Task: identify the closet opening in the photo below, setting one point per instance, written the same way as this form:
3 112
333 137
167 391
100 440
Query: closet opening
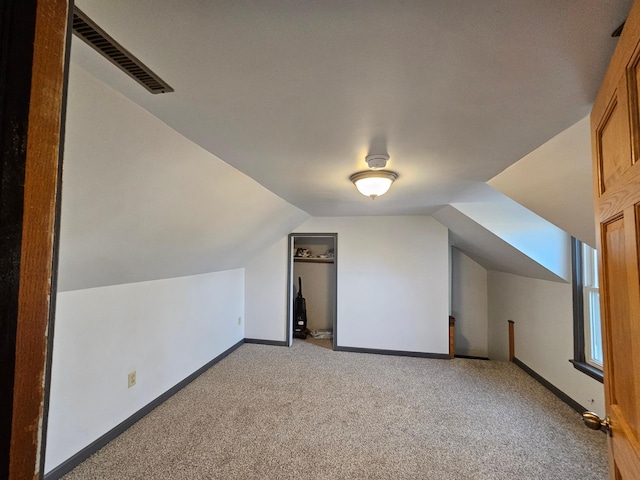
313 265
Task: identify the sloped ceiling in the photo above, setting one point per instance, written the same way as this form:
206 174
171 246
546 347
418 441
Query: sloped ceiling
488 249
277 103
529 233
295 94
502 235
141 202
555 181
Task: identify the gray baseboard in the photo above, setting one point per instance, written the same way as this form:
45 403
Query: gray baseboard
552 388
96 445
471 357
276 343
401 353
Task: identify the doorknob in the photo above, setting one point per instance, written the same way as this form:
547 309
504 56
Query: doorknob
594 422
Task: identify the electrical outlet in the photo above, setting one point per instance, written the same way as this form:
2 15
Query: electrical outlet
132 379
239 320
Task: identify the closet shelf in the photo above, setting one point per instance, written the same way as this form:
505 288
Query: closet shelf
313 260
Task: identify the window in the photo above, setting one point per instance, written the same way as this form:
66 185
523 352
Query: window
586 311
591 307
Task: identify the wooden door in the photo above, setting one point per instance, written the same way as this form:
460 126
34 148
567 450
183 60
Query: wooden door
615 129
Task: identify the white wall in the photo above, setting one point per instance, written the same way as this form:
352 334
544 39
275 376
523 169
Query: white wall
469 297
543 316
266 293
163 329
392 283
556 181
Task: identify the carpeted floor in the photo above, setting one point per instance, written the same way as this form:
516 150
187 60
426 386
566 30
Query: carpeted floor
307 412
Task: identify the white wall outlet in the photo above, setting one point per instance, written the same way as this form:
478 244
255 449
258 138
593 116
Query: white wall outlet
132 379
239 320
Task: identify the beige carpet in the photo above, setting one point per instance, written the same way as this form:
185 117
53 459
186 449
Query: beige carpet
320 342
308 412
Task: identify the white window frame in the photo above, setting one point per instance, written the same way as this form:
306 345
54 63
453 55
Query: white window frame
591 308
586 326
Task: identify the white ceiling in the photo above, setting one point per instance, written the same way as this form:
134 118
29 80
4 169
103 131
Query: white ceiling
295 94
141 202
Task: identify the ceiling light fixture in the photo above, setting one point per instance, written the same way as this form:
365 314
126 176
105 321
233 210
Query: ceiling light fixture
375 182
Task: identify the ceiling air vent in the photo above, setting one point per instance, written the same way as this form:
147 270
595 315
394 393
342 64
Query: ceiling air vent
87 30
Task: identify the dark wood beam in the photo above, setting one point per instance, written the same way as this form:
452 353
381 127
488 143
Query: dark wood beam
16 52
33 71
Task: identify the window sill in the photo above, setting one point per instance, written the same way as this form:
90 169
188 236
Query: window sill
593 372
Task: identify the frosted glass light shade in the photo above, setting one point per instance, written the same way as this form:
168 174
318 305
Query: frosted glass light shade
373 183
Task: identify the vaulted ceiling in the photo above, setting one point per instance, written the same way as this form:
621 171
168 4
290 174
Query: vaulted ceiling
278 102
295 94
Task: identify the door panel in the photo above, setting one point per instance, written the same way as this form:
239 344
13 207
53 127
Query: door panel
615 288
613 141
633 89
615 127
624 447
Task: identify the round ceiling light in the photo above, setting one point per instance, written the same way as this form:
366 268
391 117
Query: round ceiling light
373 183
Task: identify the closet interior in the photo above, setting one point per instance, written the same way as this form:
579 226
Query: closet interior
314 266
